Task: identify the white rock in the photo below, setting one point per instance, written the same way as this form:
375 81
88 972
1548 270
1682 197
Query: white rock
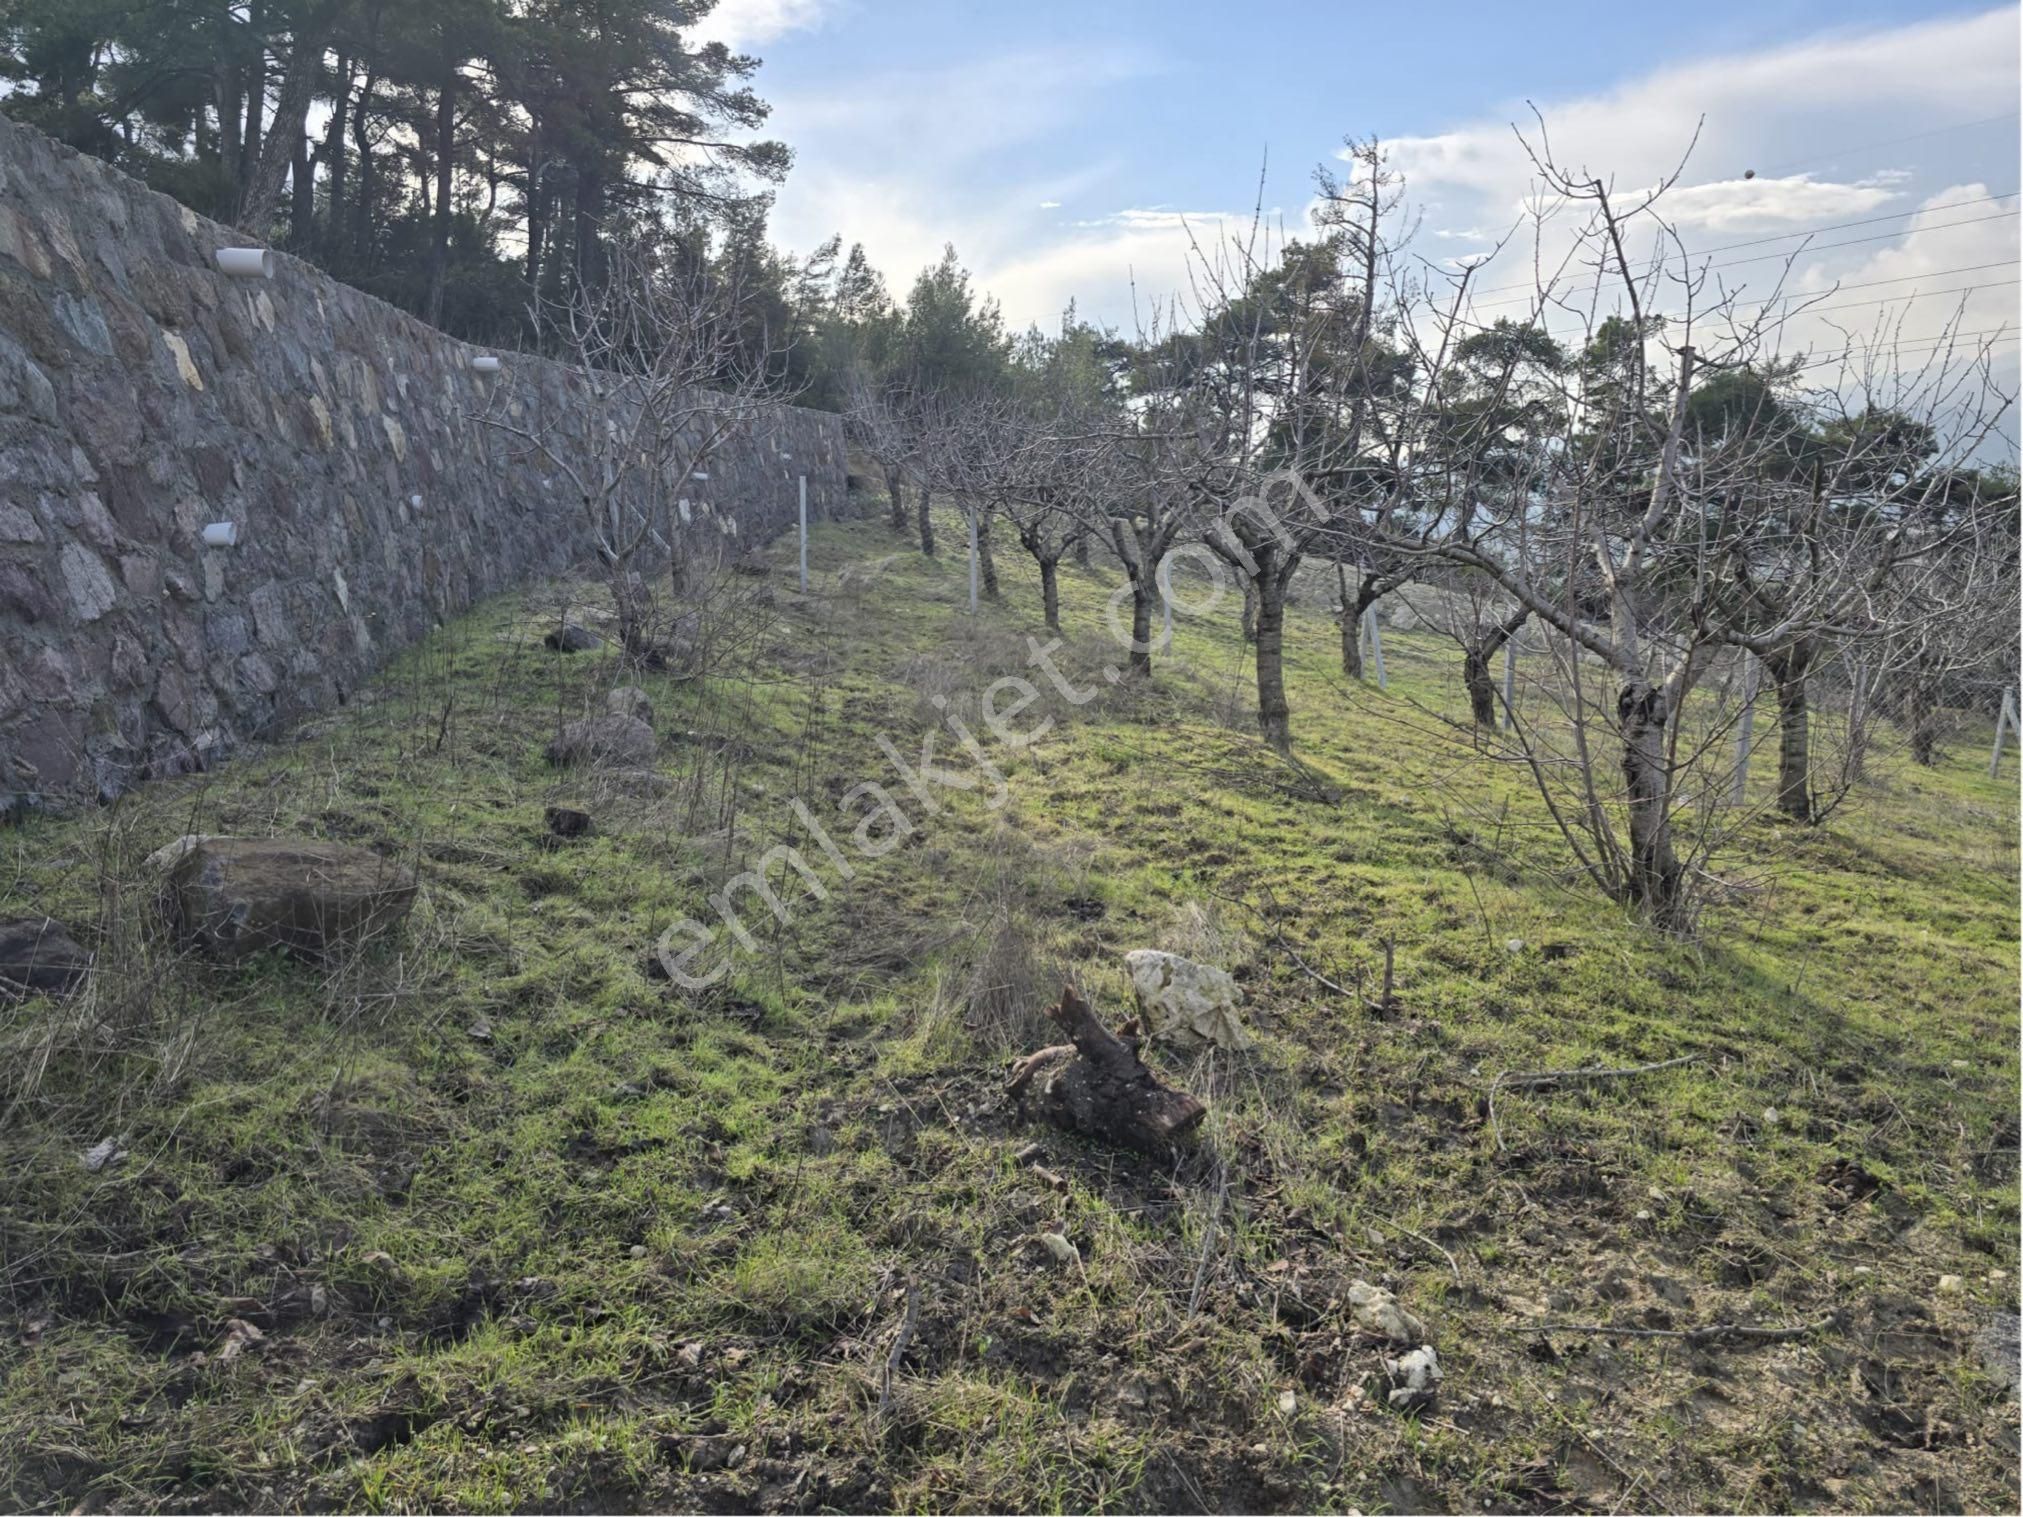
1951 1284
1185 1004
1415 1378
99 1155
1378 1310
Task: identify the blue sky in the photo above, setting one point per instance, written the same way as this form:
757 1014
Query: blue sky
1060 147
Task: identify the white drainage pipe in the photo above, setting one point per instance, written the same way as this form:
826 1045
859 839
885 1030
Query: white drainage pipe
221 534
246 263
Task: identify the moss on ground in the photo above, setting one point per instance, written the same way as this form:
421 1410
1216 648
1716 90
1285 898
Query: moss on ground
492 1217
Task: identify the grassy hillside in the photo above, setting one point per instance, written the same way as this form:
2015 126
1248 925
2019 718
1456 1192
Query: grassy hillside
493 1216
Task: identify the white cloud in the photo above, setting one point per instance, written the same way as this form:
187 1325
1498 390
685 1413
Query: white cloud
1767 205
1845 127
741 24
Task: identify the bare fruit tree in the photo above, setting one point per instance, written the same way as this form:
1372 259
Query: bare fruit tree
662 351
1701 494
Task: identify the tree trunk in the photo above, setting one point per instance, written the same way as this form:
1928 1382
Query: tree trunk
895 499
256 95
1924 720
1096 1085
1082 551
301 194
332 154
1352 627
439 243
1274 714
1144 597
361 218
1794 758
986 563
1249 620
926 521
1050 591
1481 685
225 99
1475 667
1656 882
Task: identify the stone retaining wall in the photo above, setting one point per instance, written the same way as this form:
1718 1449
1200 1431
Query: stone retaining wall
144 395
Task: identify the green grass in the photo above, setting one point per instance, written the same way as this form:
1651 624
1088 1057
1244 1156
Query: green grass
577 1262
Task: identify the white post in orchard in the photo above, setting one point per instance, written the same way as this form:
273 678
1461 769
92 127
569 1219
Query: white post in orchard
2004 722
1164 578
970 515
1510 682
804 534
1376 645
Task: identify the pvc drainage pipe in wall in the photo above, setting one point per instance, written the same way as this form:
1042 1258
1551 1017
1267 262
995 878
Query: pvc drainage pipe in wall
246 263
221 534
486 363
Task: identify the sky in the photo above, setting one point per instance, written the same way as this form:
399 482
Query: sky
1073 151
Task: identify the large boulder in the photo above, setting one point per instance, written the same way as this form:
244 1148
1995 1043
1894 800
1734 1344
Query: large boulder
1184 1004
624 741
36 954
231 895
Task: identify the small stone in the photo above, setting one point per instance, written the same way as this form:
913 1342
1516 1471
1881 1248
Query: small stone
1513 945
1770 1116
1997 1276
1951 1284
480 1031
569 822
1288 1403
570 638
1415 1378
1377 1310
1643 1214
638 1250
101 1155
1062 1251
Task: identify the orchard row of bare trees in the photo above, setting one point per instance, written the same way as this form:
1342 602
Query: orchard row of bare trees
1648 477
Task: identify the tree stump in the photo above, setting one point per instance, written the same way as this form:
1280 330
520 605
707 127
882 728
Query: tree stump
1096 1085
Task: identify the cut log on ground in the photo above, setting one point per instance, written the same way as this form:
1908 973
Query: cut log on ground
1096 1085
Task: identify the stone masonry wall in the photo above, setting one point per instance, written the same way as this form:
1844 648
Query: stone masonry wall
144 395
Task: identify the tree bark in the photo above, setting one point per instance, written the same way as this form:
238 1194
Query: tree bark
985 562
439 242
1475 667
1924 720
361 218
1249 621
1144 597
1794 758
1097 1086
926 522
1050 591
332 155
1274 713
301 194
1656 881
895 497
1481 684
1082 551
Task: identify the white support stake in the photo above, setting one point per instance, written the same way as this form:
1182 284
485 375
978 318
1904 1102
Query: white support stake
2003 723
1744 728
1510 682
1376 645
804 534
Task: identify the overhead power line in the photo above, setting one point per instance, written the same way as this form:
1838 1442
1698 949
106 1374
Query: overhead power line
1837 226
